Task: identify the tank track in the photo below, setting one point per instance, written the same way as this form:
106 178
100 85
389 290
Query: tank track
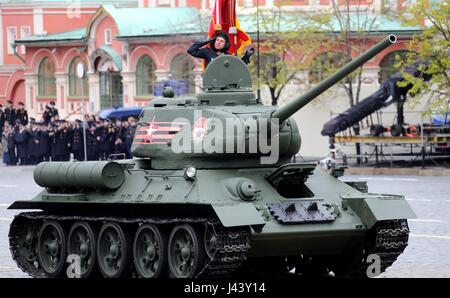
388 240
231 248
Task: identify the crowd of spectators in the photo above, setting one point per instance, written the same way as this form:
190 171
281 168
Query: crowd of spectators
28 141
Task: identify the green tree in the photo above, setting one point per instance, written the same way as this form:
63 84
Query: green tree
433 46
286 40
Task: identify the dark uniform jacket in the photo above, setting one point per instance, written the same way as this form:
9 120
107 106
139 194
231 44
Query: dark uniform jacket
53 143
44 144
76 139
11 142
22 115
106 139
34 143
62 144
92 145
47 116
21 139
10 115
2 120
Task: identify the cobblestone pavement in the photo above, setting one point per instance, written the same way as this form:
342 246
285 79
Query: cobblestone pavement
426 256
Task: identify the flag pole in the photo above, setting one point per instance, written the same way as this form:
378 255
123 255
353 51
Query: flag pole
258 69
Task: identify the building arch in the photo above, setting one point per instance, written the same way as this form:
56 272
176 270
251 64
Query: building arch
39 56
140 51
11 85
174 51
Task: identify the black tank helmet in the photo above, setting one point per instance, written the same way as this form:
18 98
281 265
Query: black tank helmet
224 35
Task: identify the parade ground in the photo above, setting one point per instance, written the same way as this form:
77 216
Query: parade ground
426 255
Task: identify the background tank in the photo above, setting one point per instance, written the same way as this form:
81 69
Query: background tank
204 210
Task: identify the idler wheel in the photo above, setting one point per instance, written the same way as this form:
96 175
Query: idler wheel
81 242
211 241
150 251
113 251
186 251
52 249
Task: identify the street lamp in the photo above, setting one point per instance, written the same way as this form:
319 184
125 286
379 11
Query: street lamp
81 73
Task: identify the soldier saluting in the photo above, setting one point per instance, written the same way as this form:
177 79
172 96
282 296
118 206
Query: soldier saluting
212 48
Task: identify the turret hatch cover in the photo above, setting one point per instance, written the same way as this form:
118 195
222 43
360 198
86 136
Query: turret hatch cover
227 72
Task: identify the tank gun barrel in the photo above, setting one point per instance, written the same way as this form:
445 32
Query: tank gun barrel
293 106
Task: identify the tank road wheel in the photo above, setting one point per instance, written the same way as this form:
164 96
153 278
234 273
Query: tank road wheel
186 251
113 251
24 235
52 248
150 251
81 242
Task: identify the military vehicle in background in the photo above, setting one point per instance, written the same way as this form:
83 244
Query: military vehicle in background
205 213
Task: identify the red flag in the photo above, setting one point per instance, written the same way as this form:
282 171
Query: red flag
223 18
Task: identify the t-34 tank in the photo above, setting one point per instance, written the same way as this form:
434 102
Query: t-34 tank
211 191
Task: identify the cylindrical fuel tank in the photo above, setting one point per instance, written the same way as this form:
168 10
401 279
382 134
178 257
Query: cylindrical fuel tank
85 174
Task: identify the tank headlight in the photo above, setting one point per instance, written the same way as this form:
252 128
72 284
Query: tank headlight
190 173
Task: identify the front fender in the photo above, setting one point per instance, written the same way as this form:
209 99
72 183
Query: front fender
238 214
373 208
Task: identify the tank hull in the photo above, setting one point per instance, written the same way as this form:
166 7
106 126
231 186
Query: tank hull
336 217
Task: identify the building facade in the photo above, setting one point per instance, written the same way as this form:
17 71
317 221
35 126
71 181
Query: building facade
129 48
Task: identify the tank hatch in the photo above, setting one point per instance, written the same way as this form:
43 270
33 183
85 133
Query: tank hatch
227 82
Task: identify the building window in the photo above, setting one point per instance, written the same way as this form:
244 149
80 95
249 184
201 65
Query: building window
182 69
47 79
74 81
145 76
108 36
11 38
25 32
389 63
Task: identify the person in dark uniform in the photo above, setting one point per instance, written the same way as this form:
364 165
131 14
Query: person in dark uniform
44 143
131 130
22 114
53 141
21 140
33 143
76 140
54 111
63 142
11 145
106 134
10 113
92 140
212 48
47 116
2 121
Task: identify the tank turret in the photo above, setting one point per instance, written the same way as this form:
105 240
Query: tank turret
226 120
